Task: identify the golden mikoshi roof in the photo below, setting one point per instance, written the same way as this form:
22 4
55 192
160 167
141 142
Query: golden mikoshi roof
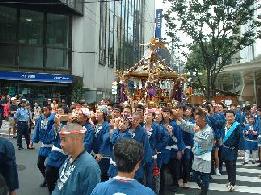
153 66
159 69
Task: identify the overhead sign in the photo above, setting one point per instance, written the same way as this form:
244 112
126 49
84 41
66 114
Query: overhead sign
37 77
158 23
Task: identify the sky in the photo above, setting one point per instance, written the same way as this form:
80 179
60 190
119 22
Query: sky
159 5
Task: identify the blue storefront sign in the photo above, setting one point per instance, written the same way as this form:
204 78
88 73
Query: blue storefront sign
35 77
158 23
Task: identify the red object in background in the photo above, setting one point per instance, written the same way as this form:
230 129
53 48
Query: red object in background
156 170
6 108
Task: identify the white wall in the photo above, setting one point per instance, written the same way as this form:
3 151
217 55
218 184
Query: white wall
85 38
149 20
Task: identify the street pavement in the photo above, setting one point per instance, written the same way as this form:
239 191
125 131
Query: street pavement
248 182
248 176
28 173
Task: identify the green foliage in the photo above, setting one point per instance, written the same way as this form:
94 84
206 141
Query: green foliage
214 28
77 90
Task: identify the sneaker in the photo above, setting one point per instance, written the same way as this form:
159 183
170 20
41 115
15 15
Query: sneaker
231 188
228 184
244 163
20 148
253 162
217 172
30 148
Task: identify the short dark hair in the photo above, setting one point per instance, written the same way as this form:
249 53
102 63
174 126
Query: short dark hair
207 107
166 109
200 113
230 111
117 107
140 106
127 153
128 107
48 107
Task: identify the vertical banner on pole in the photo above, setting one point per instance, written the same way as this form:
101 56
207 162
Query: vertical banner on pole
158 23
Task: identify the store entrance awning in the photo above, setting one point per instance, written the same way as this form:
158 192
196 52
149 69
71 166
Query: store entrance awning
35 77
55 6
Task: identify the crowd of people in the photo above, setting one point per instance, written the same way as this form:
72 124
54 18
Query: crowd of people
124 148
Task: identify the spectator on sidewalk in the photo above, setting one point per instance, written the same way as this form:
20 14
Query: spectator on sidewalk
13 109
22 118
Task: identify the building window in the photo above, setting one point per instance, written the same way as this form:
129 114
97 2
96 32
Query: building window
8 24
31 38
34 39
102 34
57 41
111 35
129 33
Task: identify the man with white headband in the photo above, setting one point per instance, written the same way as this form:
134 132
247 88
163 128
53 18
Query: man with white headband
80 173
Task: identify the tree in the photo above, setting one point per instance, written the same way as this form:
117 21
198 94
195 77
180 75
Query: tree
77 90
216 30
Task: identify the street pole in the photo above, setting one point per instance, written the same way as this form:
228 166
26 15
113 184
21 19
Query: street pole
254 83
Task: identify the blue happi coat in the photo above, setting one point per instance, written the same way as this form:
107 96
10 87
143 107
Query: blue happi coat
102 145
8 167
78 177
175 143
217 122
229 149
56 157
115 137
258 125
188 139
141 136
240 117
43 132
251 139
158 138
121 187
89 136
100 141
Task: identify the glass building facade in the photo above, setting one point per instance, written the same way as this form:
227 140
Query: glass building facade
34 40
121 33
